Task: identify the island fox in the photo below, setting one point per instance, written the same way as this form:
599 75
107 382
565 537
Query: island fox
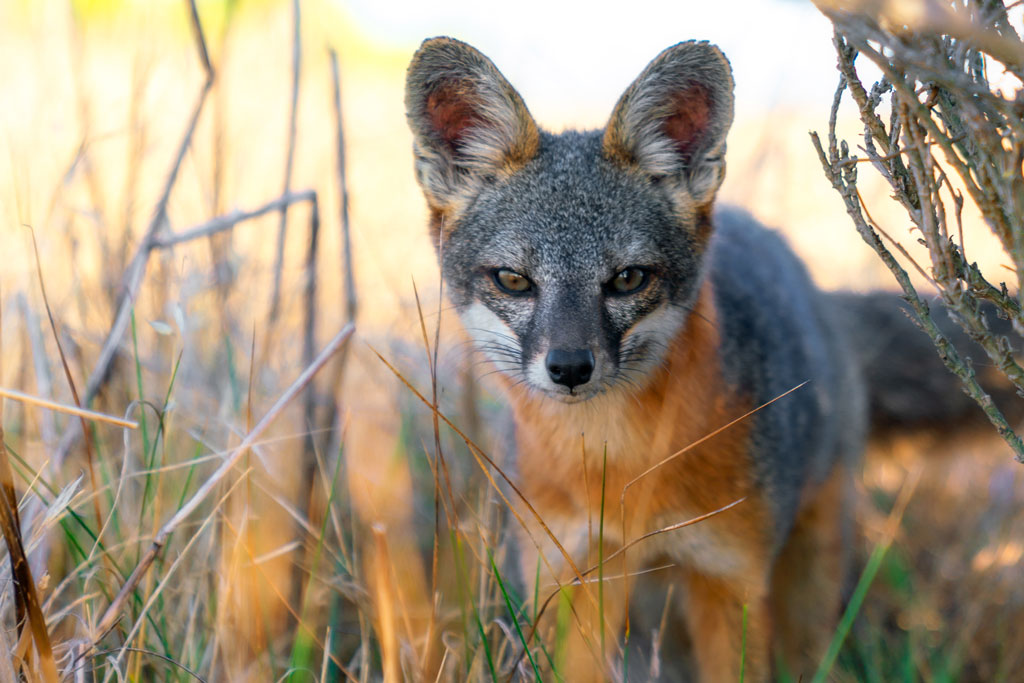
630 320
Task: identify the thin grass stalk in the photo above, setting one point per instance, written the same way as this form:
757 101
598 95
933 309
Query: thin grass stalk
743 644
336 381
463 581
314 566
90 455
440 465
351 301
387 629
332 417
307 489
655 669
275 298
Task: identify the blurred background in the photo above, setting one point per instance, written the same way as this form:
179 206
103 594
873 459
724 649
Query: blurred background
95 99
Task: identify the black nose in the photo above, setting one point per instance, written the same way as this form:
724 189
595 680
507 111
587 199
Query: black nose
570 368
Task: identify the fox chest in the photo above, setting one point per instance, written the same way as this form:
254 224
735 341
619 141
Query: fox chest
645 478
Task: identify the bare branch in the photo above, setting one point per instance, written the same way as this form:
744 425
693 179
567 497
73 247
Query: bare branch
230 220
136 270
935 77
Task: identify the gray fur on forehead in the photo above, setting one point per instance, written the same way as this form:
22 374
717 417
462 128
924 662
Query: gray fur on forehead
570 210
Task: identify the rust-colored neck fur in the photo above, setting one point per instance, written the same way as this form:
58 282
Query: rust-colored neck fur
685 400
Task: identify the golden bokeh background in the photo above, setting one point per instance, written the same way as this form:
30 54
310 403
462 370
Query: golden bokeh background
94 100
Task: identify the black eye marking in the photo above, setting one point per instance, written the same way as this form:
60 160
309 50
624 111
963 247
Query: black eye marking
511 282
629 281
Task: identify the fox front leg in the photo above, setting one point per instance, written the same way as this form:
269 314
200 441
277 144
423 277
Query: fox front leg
729 625
581 624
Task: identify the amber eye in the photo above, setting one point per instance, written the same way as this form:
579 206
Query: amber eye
512 282
629 280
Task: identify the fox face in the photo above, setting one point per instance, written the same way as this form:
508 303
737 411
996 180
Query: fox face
572 259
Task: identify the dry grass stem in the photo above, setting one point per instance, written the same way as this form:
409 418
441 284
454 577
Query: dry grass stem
25 591
111 615
486 464
351 302
275 299
47 404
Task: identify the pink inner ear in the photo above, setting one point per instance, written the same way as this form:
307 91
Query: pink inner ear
451 112
688 123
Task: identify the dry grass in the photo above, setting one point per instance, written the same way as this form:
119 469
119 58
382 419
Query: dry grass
392 567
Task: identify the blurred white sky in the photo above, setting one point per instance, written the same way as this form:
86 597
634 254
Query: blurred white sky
572 60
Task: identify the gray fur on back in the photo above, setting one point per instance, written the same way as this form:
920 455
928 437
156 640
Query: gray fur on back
777 332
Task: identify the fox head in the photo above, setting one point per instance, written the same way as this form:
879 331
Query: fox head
573 259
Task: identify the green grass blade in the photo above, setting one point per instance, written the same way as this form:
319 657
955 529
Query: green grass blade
743 645
302 648
467 596
852 609
512 611
600 551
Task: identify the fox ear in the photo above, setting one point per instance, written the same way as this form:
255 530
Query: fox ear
467 121
673 119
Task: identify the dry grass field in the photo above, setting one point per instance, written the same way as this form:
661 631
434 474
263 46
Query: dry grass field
328 551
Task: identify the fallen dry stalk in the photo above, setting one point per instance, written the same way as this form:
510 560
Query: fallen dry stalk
39 402
112 613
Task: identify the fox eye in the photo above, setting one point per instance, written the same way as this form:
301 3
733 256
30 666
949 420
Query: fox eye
629 280
512 282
